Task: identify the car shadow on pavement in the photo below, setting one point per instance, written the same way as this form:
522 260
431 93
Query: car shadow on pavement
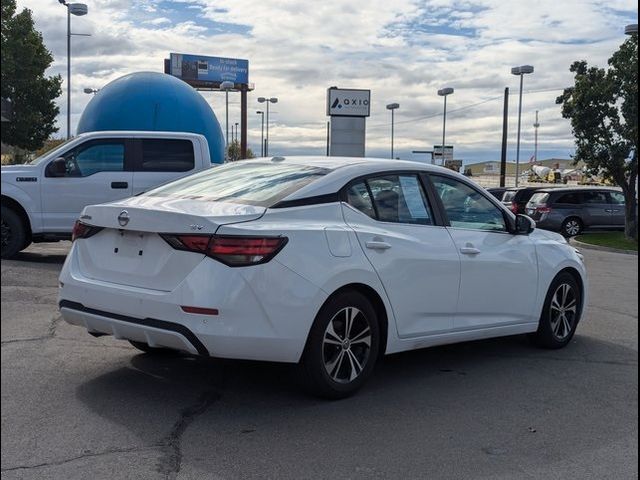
34 257
153 389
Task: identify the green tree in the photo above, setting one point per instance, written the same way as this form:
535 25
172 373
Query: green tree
23 82
603 109
233 152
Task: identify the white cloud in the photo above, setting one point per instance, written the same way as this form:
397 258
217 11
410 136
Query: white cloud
402 50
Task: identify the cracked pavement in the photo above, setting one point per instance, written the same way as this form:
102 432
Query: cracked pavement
78 407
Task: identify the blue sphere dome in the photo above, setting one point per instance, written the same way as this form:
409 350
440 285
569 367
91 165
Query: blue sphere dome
153 101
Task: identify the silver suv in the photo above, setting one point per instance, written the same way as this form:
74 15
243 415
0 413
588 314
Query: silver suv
572 210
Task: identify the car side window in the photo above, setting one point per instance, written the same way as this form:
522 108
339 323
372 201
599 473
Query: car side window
570 198
358 197
466 207
396 198
166 155
95 157
595 197
616 198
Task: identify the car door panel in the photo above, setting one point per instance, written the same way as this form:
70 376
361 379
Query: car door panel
97 173
499 272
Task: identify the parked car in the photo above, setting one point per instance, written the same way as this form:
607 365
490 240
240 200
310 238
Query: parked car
42 200
516 198
329 262
497 192
572 210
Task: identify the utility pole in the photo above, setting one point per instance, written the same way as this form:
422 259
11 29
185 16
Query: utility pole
535 147
505 123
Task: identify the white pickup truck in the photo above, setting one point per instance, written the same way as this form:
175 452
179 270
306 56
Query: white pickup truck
41 200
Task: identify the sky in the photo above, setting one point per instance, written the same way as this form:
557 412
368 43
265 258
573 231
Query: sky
402 50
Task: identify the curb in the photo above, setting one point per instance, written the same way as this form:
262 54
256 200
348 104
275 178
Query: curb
589 246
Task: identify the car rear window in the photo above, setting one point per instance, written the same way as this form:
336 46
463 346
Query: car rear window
508 195
539 198
248 183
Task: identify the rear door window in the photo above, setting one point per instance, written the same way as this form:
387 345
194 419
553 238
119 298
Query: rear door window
595 197
570 198
166 155
508 195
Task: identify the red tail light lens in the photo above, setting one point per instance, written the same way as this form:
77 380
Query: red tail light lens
230 250
82 230
514 207
543 209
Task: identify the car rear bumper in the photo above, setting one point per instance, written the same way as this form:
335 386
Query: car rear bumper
257 318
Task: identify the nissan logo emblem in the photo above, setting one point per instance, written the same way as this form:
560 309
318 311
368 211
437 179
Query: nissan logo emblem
123 218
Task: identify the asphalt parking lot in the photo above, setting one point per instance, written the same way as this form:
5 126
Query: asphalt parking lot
74 406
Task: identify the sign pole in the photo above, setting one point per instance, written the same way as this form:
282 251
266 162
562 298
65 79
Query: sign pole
243 121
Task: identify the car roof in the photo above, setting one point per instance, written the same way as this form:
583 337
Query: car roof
580 188
344 169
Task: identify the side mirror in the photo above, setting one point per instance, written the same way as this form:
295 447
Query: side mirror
524 225
57 168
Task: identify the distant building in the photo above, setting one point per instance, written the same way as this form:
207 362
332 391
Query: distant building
493 167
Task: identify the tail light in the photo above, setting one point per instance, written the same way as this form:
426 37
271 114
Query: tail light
83 230
233 251
514 207
543 209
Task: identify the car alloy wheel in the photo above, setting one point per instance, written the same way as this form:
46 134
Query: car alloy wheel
563 310
572 227
346 345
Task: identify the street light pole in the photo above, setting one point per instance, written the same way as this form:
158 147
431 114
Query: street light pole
226 86
267 101
392 107
444 92
78 9
520 71
261 113
535 144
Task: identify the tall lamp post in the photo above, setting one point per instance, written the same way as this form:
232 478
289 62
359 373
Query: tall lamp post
77 9
536 125
521 72
444 92
267 101
261 113
392 107
226 86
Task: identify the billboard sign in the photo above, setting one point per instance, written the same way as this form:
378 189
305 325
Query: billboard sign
348 102
200 70
448 152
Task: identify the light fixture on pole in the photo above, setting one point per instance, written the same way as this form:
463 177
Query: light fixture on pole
631 29
77 9
266 140
261 113
444 92
226 86
392 107
89 91
521 72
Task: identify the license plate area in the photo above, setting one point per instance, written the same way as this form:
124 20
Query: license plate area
130 244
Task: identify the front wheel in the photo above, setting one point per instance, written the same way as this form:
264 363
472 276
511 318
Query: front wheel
342 347
13 233
560 314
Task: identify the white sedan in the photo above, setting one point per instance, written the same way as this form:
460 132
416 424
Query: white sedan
327 262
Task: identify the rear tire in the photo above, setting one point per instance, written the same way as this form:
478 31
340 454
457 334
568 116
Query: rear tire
13 235
571 227
560 314
342 346
152 350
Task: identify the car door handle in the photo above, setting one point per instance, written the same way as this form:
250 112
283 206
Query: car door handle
469 250
377 245
119 184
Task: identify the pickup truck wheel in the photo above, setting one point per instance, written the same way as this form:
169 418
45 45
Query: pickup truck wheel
13 235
